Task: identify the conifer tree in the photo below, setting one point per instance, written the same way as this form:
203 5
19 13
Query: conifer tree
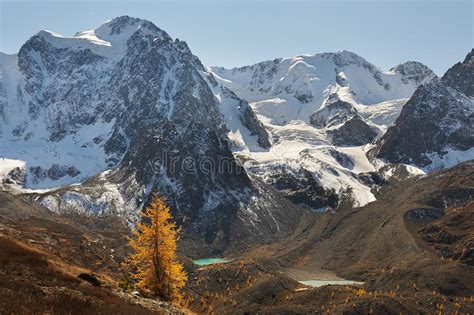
153 263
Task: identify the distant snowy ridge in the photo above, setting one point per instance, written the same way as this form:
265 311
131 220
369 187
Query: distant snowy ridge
321 110
305 81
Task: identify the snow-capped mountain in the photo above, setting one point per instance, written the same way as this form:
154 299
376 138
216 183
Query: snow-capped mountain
291 89
436 126
125 110
95 122
320 110
55 86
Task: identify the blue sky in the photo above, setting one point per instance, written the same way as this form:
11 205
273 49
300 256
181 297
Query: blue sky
237 33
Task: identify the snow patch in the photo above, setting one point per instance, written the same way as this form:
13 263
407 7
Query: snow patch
448 158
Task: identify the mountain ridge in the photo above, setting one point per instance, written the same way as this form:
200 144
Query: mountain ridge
126 127
435 126
294 99
100 119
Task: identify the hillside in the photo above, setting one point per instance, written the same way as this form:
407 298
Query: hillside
412 248
401 239
435 127
63 264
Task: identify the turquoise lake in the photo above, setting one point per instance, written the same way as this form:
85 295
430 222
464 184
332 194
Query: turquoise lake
321 283
210 261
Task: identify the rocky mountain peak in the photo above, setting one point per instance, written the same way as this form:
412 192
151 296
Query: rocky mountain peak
343 123
414 71
109 40
121 28
126 108
435 127
460 75
345 57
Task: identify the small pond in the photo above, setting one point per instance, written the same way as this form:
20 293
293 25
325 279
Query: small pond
210 261
321 283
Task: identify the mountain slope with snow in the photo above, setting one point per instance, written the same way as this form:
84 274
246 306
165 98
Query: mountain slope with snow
436 126
294 88
102 119
121 111
321 111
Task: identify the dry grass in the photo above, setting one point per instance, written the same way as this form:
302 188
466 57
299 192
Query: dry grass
41 256
29 283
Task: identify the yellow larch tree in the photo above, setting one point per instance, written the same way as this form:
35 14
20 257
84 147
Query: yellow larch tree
153 263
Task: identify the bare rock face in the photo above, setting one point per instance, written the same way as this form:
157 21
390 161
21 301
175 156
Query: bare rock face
460 75
437 119
250 120
248 117
353 132
415 72
343 123
333 113
303 189
55 172
15 177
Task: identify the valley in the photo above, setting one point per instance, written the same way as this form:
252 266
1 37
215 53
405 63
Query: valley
393 268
